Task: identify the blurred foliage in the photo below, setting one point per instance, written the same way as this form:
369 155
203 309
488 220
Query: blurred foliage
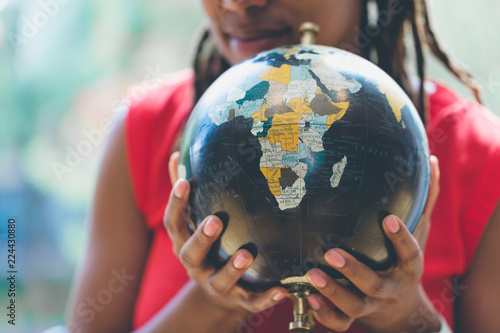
64 66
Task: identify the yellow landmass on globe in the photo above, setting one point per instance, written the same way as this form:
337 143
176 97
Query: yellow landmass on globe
272 175
299 105
288 135
285 129
288 56
260 114
334 117
280 74
394 101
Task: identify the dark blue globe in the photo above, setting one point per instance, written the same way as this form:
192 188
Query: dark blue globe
301 149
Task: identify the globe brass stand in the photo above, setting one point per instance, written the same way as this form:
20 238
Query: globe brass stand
303 321
302 317
309 31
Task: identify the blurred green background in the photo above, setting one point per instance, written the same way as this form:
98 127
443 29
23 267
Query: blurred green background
64 66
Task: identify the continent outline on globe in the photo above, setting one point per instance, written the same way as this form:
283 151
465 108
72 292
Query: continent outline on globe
296 121
287 148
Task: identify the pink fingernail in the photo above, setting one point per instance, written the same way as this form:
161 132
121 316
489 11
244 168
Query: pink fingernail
317 279
211 227
278 296
392 224
314 302
335 258
240 261
180 188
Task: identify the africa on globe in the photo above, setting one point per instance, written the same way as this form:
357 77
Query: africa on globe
300 149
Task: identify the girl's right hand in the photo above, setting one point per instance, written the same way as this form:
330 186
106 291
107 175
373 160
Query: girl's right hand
192 249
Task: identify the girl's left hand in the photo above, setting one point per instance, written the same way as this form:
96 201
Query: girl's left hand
393 300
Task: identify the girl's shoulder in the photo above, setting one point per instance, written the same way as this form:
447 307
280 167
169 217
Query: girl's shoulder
465 136
156 112
155 95
448 111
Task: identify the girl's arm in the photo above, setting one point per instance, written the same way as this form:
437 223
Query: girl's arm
478 305
107 285
108 281
192 311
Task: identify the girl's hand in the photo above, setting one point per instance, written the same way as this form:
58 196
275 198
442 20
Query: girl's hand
393 299
192 249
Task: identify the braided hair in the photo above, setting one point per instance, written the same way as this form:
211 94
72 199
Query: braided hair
387 48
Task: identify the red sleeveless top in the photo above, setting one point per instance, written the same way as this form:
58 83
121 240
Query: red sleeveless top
462 134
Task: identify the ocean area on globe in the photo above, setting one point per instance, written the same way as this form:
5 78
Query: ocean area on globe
301 149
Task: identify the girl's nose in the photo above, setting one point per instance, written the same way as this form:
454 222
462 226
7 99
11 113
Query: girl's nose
241 6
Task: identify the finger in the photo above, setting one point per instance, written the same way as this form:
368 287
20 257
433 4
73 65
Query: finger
194 251
261 301
329 318
173 163
410 258
362 276
345 300
422 230
434 186
225 279
175 218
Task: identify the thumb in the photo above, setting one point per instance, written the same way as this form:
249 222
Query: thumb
423 228
173 163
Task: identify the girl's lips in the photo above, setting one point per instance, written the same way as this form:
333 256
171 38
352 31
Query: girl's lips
252 46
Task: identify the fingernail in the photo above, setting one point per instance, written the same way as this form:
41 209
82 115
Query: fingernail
317 279
278 296
392 224
240 261
211 227
335 258
180 188
314 302
174 156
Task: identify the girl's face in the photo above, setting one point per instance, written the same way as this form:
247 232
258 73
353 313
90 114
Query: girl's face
242 28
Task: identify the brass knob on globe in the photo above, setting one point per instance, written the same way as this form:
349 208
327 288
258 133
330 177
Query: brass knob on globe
302 318
309 31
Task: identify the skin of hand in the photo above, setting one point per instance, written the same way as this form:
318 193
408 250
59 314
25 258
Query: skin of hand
390 298
192 249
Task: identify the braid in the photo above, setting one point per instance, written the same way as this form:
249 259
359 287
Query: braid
389 44
365 52
418 38
390 47
208 64
391 51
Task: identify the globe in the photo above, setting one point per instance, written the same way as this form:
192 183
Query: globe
301 149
